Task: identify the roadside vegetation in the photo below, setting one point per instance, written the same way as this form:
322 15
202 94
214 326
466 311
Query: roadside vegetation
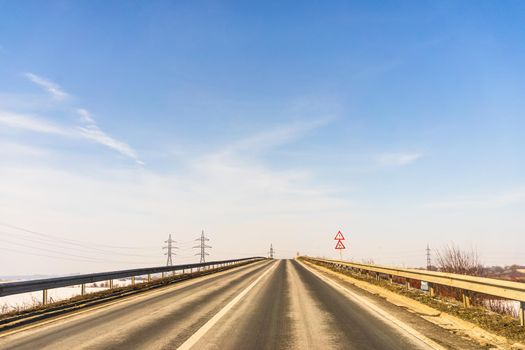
11 317
493 314
453 259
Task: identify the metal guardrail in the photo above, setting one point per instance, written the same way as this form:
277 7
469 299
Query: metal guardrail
11 288
490 286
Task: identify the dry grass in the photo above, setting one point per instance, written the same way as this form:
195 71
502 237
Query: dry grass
503 324
500 306
453 259
36 304
5 309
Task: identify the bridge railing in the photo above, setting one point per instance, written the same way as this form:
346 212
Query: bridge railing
44 285
467 284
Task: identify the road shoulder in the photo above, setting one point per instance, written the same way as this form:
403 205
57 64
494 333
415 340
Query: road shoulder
438 326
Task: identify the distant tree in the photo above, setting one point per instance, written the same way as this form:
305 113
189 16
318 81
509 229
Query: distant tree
497 269
452 258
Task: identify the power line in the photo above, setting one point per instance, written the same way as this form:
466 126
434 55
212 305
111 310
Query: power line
169 253
25 252
69 241
359 256
48 242
51 250
202 246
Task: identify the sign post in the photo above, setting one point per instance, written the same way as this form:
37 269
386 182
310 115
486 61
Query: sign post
340 245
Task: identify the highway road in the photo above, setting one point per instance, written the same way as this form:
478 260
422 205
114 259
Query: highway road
279 304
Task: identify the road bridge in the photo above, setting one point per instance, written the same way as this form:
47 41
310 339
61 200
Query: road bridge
268 304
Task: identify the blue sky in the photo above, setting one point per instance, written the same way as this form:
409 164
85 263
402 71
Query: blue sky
399 122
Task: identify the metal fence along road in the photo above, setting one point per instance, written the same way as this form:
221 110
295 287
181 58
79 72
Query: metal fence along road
11 288
490 286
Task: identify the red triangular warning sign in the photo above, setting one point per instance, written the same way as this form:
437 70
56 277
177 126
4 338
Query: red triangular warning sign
339 236
340 245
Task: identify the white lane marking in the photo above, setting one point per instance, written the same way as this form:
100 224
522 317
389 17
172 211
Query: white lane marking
378 311
191 341
122 301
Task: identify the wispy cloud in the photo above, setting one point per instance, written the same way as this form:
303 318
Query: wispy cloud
21 121
15 150
52 88
482 201
93 133
89 131
277 136
398 159
85 116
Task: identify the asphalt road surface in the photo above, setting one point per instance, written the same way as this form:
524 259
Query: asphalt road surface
278 304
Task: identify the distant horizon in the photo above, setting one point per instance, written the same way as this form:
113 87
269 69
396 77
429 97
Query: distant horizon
4 278
400 124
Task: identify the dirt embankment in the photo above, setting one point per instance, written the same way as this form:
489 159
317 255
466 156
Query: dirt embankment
502 325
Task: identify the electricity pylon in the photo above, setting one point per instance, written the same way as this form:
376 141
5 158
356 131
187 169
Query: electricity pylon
429 261
271 252
202 246
169 253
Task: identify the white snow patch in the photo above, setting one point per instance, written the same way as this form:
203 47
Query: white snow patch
26 300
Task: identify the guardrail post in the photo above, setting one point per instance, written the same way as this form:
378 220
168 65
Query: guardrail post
108 278
431 290
522 313
407 283
466 298
390 279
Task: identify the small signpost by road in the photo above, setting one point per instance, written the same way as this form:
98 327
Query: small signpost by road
340 245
